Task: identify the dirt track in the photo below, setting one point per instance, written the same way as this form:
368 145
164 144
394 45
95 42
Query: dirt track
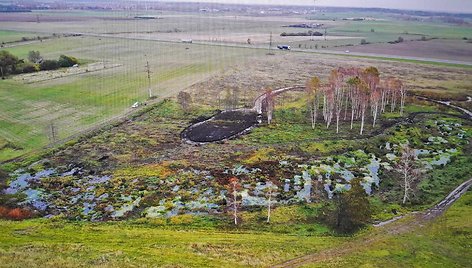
420 218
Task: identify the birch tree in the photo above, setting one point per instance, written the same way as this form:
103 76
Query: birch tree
407 167
312 90
363 102
271 192
402 90
269 105
354 84
337 91
233 188
371 77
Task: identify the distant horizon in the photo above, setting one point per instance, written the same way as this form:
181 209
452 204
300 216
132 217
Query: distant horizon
452 6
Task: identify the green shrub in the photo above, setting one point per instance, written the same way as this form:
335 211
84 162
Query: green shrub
47 65
349 212
67 61
27 68
181 219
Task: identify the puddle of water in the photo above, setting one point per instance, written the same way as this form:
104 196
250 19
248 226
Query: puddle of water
126 207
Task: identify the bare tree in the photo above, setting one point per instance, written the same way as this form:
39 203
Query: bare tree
338 94
402 96
269 104
375 98
271 192
391 84
363 101
357 89
185 100
312 90
353 83
234 187
407 166
328 104
371 77
34 56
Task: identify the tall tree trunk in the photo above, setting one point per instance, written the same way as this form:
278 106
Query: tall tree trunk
352 117
337 123
394 103
402 101
345 107
314 112
362 121
405 193
376 108
235 208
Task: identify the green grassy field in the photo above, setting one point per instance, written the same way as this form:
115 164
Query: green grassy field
126 244
442 243
12 36
76 102
44 242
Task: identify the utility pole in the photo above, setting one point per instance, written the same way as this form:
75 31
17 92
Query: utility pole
52 133
314 6
270 41
148 70
37 18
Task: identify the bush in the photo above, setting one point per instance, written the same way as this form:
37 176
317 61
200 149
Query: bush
181 219
34 56
47 65
27 68
364 42
67 61
350 211
8 62
15 214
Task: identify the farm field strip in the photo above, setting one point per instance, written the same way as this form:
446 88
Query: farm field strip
88 98
77 102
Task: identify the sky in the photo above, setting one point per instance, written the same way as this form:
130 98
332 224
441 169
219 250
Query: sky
463 6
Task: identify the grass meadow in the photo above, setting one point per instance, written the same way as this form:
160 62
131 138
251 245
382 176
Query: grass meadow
176 243
74 103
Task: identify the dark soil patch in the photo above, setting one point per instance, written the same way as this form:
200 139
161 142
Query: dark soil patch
222 126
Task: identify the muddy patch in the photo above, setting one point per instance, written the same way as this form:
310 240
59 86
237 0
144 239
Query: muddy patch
222 126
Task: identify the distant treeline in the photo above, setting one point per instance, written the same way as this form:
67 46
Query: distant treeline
11 64
39 38
13 9
309 33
